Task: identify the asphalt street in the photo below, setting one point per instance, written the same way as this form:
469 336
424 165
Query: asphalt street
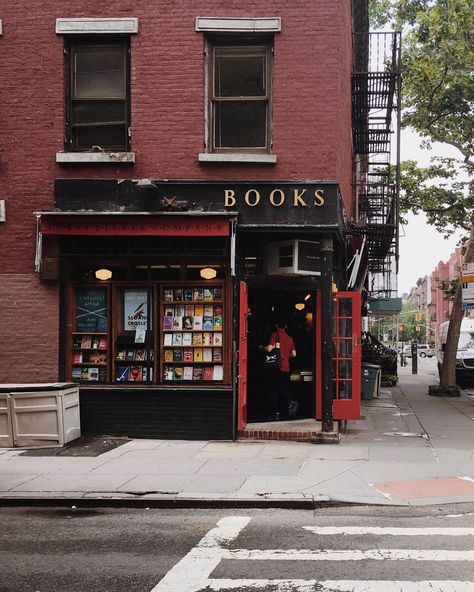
351 548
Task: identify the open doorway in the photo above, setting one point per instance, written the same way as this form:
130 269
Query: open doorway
299 310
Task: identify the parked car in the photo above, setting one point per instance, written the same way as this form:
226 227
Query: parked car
424 351
465 352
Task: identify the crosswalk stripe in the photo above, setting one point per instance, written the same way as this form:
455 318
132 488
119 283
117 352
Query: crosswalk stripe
347 555
341 585
382 530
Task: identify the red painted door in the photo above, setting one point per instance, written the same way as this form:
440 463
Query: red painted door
346 355
242 359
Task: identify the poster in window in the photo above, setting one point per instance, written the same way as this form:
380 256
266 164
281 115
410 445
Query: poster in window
135 305
91 310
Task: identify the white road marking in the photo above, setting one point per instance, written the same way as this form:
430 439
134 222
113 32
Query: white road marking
341 585
347 555
191 574
380 530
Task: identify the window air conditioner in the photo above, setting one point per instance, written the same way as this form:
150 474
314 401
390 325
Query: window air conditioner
294 257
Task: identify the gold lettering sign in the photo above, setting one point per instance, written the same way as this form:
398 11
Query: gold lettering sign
281 198
276 197
256 197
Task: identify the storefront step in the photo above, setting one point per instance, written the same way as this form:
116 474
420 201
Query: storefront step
301 430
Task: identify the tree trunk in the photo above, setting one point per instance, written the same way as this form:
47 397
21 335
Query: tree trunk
448 370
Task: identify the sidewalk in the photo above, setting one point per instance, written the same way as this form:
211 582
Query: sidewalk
411 449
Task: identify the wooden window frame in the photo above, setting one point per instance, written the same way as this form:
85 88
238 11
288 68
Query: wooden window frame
239 43
70 137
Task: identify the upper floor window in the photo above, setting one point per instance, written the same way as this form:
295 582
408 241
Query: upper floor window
240 77
98 95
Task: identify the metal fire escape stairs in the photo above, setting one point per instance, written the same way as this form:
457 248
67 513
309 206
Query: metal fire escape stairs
376 83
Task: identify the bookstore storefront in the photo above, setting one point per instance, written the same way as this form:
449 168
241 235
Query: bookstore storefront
154 296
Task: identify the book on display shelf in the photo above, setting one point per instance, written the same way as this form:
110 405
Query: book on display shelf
217 354
187 323
135 374
188 294
168 295
189 310
187 338
167 323
208 373
95 343
198 294
178 373
207 323
207 354
197 373
168 355
168 373
218 373
140 355
217 293
198 310
188 355
188 373
207 338
217 339
177 355
77 358
177 339
86 342
177 294
103 343
197 323
208 295
168 339
177 323
198 354
217 323
77 341
197 339
121 373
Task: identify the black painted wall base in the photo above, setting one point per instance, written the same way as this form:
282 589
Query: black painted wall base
156 413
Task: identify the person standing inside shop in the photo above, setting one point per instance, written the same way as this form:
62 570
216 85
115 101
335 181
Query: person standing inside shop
280 379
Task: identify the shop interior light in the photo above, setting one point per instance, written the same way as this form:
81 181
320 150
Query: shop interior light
208 273
103 274
300 305
307 297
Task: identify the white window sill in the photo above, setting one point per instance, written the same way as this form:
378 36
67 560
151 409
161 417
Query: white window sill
244 158
99 157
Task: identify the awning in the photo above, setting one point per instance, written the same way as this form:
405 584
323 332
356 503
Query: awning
134 224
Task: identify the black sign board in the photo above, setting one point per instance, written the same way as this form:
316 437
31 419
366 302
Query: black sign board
91 310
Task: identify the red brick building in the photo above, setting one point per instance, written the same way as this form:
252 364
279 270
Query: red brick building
154 141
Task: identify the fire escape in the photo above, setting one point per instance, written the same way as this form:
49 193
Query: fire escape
376 85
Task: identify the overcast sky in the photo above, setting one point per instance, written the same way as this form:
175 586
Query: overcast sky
421 246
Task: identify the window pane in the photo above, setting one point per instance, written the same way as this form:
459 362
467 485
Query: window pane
98 112
345 327
240 75
240 124
99 71
107 137
345 369
344 348
344 390
345 307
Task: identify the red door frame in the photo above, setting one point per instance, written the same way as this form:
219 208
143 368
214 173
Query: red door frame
346 357
242 358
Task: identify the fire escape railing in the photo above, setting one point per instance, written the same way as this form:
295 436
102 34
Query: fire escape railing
376 83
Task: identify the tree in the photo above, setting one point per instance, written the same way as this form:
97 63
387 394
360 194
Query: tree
438 102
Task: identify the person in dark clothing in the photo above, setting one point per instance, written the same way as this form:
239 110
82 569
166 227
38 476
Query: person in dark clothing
279 379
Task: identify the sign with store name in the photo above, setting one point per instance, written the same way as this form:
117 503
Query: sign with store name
91 310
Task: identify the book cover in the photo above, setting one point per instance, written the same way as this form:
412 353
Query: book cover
217 310
140 355
97 358
152 355
102 374
95 343
217 324
177 355
130 355
145 373
188 373
207 338
197 323
197 338
177 323
169 311
207 354
197 294
168 355
218 373
217 339
207 323
187 323
179 310
168 295
121 373
121 354
189 310
177 294
178 373
77 341
76 373
187 338
86 342
77 358
167 323
86 357
168 373
208 373
198 354
198 310
177 339
135 374
217 293
84 373
217 354
197 373
208 310
188 355
140 335
93 374
168 339
103 343
207 295
188 294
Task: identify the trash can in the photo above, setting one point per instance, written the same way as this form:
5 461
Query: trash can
370 380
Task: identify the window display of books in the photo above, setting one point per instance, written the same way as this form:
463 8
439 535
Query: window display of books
191 336
89 357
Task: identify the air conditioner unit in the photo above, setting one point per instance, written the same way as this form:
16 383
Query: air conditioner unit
294 257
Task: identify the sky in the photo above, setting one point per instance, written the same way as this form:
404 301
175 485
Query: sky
421 246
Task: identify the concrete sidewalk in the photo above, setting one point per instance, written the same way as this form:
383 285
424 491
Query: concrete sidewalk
411 449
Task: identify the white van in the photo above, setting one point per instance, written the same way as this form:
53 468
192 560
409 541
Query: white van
465 355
